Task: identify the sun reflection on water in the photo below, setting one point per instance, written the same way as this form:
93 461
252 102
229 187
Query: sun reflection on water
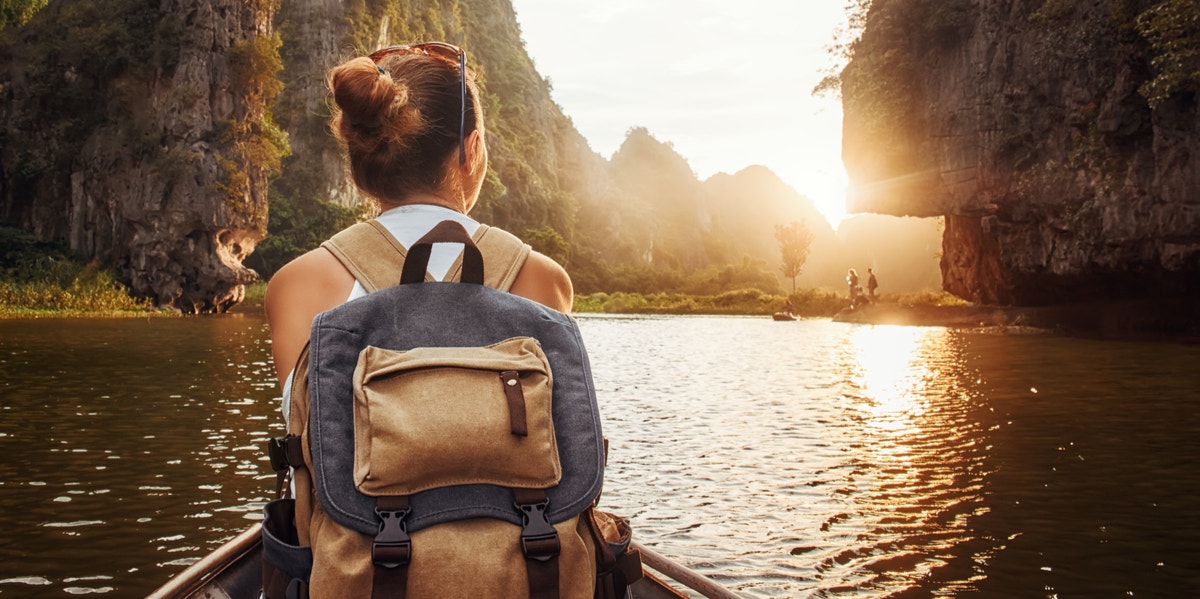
891 373
907 459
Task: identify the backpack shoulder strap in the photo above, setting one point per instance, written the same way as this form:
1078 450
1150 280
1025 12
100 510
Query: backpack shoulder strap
376 258
503 256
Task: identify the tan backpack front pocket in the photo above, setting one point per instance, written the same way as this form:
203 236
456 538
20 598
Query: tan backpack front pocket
439 416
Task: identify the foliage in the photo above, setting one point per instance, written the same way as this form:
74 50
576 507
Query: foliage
812 303
905 22
645 278
815 302
745 301
794 240
1172 27
298 224
38 277
92 291
18 12
549 242
71 55
257 146
256 292
925 298
741 301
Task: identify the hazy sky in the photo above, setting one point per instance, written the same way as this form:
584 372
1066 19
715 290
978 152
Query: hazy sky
727 82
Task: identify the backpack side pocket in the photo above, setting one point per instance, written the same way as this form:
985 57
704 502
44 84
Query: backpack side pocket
286 564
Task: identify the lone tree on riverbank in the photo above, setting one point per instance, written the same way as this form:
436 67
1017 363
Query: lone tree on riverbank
794 239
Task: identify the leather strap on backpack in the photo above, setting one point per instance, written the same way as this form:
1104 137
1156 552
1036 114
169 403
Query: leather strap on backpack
376 258
416 264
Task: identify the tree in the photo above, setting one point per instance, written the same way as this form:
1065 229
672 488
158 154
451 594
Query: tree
794 239
18 12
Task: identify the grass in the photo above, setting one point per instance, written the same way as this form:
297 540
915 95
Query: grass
812 303
741 301
47 279
91 293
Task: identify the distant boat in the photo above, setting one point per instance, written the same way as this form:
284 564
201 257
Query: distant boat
783 316
234 571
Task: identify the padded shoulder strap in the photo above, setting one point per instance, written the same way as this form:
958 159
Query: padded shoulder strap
376 258
503 256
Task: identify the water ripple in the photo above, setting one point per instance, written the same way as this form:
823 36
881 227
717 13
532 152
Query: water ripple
804 459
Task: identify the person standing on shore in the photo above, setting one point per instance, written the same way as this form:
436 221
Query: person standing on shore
872 284
852 281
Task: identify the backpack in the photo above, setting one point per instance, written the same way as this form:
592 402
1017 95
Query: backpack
445 439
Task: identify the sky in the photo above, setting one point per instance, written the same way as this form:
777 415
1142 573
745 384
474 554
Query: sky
727 83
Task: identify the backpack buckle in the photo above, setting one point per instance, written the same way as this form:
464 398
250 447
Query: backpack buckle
539 540
392 546
285 451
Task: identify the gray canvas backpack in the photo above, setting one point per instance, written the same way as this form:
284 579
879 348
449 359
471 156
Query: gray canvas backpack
444 437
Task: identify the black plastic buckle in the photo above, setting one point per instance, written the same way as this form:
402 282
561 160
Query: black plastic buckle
277 450
392 547
539 540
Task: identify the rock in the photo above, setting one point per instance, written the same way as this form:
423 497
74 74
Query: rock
155 178
1023 125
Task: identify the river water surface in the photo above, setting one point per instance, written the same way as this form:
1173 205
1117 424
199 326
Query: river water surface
785 459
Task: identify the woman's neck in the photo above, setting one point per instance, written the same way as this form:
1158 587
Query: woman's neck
425 198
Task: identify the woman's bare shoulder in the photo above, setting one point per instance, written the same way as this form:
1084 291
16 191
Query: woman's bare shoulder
303 288
545 281
315 278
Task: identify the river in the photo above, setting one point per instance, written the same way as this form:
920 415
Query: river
785 459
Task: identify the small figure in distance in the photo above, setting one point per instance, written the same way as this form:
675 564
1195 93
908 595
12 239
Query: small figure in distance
872 285
852 281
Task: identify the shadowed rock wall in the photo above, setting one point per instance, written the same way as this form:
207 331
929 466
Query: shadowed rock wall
145 166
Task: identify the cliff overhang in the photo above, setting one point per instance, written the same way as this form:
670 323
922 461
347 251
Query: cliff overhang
1066 169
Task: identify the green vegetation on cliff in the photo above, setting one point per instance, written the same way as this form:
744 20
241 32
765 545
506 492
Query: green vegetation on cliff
18 12
1172 28
71 54
255 143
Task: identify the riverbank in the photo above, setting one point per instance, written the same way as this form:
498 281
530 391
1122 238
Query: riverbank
740 302
1175 320
87 295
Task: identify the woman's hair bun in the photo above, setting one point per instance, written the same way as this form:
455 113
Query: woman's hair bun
368 98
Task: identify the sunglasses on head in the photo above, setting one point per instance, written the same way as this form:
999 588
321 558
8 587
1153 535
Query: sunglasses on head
453 54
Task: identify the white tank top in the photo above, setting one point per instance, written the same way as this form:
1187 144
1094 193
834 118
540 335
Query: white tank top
408 224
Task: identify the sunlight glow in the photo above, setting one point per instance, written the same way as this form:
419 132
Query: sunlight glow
891 374
731 90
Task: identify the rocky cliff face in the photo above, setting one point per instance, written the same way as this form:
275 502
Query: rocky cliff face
1026 123
316 36
146 160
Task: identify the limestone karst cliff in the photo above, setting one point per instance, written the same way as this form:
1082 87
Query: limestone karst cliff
137 131
144 134
1053 135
